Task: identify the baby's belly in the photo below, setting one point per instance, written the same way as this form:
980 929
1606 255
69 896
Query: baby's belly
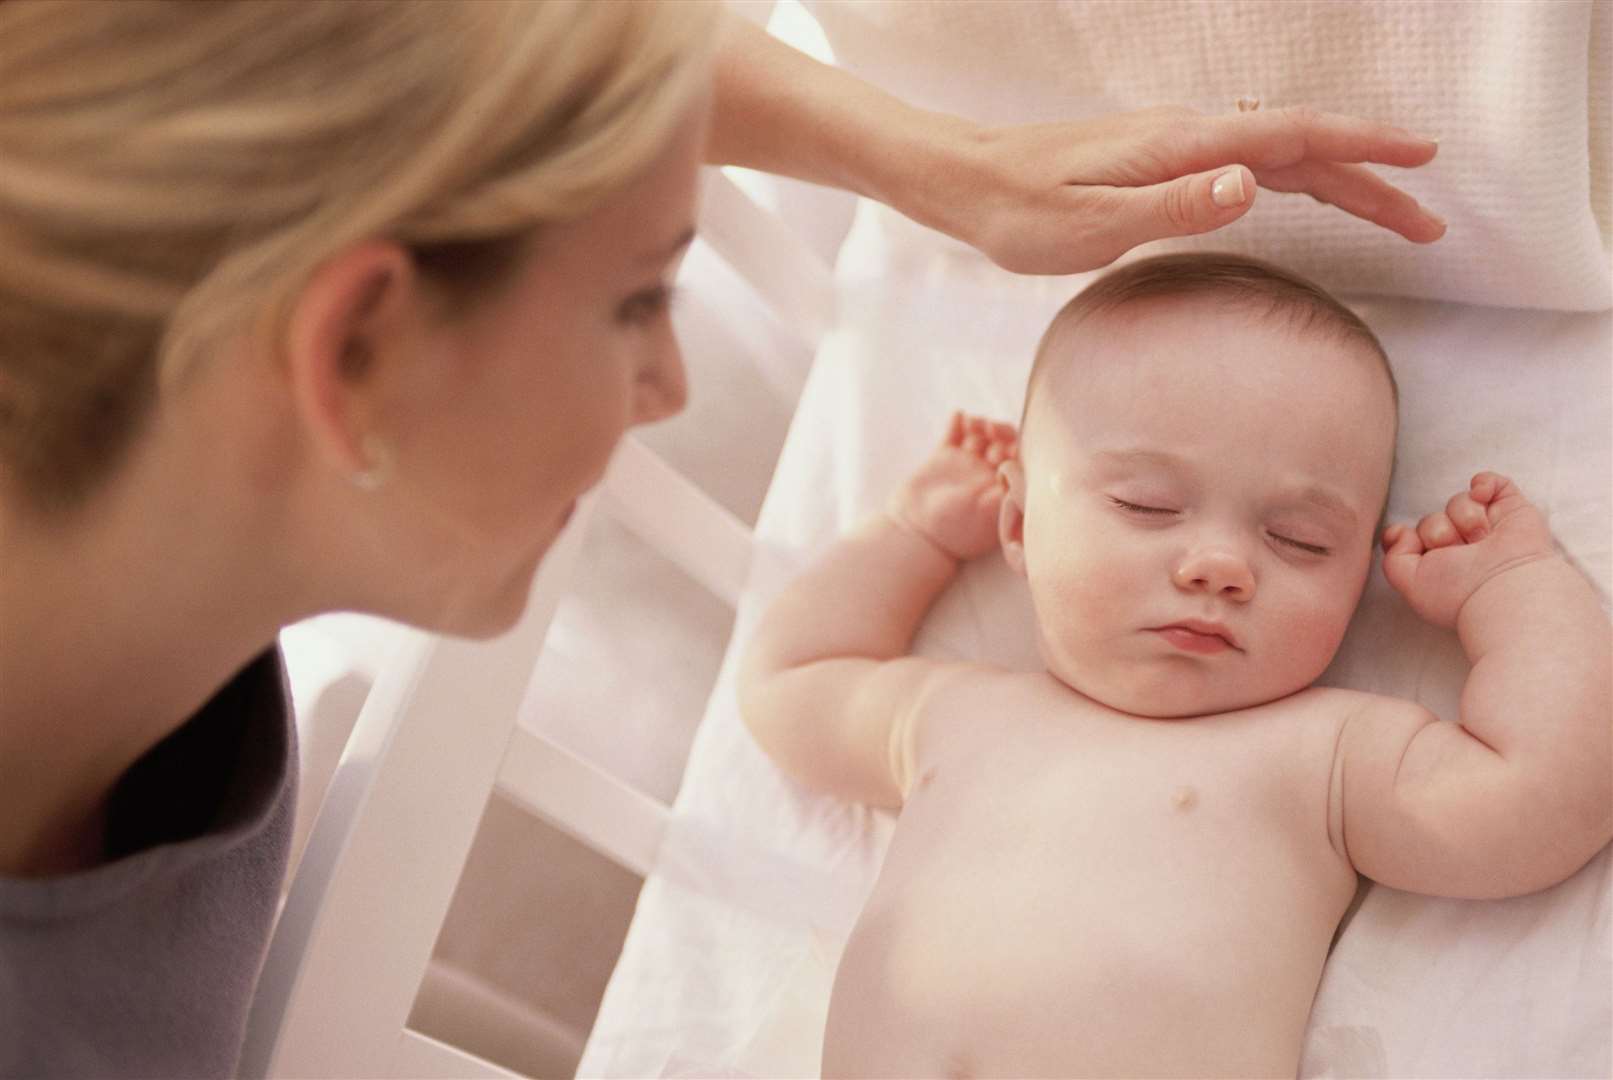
1057 957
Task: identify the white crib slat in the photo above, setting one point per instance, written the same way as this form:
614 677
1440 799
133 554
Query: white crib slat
673 515
582 799
385 854
420 1057
784 271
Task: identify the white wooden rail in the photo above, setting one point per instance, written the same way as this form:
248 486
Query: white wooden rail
381 864
786 273
438 732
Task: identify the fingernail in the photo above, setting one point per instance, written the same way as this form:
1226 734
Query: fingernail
1435 218
1228 188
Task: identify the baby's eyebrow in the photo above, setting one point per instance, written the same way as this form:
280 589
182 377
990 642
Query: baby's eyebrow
1156 458
1319 496
1326 500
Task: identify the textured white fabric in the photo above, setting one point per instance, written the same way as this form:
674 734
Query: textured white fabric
1515 90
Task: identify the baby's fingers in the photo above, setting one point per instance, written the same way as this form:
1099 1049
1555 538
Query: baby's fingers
1437 531
1402 548
992 441
1493 489
1468 517
1004 443
1399 539
965 432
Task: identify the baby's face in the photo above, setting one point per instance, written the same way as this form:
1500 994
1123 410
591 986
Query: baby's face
1201 488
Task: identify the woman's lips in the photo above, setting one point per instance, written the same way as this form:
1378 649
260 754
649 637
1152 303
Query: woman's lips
1194 641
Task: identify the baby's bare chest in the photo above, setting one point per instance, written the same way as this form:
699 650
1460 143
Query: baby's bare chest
1197 832
1122 882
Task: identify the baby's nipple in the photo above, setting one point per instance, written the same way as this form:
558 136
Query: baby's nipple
1184 799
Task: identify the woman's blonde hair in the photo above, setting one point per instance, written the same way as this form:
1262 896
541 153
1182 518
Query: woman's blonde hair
173 172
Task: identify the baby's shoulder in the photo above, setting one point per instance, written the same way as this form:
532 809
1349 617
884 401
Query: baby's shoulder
961 698
1306 726
1330 706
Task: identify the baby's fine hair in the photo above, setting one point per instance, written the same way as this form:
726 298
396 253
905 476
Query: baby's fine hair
173 173
1264 289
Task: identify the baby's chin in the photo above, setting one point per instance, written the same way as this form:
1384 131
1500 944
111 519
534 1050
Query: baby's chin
1151 702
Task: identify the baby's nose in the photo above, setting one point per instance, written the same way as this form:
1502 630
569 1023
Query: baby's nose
1218 571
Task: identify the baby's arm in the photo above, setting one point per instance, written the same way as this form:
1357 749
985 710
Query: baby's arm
826 687
1519 794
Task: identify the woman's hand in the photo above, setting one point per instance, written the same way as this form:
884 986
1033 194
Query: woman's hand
952 500
1066 197
1048 198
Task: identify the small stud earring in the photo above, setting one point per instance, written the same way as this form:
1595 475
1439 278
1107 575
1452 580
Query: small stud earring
378 461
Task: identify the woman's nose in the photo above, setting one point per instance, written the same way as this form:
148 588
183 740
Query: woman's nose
1217 571
662 389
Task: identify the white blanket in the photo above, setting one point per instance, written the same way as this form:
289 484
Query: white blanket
728 963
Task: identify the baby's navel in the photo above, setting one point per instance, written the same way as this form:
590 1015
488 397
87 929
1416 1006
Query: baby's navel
1184 799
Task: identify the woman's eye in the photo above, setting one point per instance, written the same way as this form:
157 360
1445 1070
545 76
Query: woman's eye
644 307
1300 545
1137 508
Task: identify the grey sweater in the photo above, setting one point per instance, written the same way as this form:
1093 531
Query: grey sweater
145 964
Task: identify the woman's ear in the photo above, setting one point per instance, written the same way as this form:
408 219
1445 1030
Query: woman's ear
349 320
1011 514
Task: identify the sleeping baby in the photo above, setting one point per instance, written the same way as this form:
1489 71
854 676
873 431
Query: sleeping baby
1133 862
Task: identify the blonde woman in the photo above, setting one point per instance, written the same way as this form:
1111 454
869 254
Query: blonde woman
320 306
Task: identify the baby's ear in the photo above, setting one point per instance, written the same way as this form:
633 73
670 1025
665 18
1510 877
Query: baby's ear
1011 515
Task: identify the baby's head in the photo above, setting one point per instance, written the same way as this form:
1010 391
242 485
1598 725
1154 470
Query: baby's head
1204 460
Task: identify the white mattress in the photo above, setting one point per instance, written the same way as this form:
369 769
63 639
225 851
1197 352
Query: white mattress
728 962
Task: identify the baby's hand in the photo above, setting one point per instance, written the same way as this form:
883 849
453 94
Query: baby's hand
1482 532
953 499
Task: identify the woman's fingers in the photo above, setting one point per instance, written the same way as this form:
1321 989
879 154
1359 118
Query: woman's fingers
1307 151
1360 191
1276 138
1180 207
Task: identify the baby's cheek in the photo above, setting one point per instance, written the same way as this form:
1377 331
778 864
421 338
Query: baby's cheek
1062 601
1313 632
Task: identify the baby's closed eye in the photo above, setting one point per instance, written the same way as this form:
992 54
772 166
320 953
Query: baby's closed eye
1141 508
1296 544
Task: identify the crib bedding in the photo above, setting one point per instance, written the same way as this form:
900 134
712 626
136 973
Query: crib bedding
728 963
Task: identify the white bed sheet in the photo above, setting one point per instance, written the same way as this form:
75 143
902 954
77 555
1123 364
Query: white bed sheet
727 966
